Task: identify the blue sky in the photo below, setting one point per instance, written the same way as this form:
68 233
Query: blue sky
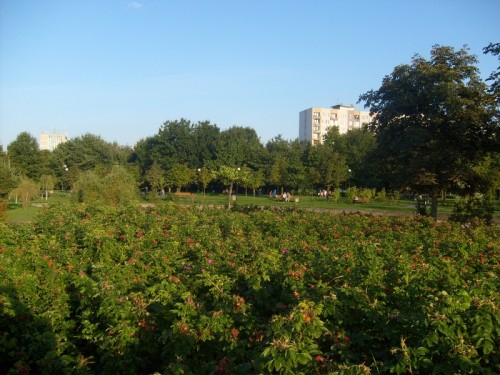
120 69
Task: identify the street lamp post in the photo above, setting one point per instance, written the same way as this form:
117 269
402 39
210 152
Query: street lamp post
349 170
65 170
199 176
230 193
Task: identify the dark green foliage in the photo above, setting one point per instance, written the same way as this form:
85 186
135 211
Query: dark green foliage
178 290
24 156
473 210
434 122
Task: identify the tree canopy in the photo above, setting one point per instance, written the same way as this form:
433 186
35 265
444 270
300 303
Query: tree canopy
24 155
433 121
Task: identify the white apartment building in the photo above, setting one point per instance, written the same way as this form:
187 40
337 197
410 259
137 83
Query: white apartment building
49 141
315 122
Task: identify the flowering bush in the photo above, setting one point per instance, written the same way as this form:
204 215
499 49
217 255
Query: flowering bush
181 290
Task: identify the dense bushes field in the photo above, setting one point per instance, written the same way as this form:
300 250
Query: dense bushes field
182 290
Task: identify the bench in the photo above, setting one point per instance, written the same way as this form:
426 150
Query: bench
360 200
183 194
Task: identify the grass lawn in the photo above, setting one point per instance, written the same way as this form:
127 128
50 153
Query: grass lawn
18 215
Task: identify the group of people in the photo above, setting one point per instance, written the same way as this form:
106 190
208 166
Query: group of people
324 193
285 196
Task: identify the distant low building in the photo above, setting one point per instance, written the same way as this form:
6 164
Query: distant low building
315 122
49 141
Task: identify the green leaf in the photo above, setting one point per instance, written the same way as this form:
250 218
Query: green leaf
278 363
293 356
266 352
303 358
488 346
421 350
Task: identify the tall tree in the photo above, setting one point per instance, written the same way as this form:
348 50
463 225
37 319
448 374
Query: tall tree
229 176
253 179
356 146
47 182
24 155
88 152
26 190
174 144
156 177
278 172
180 175
8 178
327 167
284 161
239 146
494 49
88 188
205 141
205 176
433 121
119 186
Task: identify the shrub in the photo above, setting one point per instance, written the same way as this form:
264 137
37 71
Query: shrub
174 289
381 195
473 210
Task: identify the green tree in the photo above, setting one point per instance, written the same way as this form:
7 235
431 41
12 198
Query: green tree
178 142
8 179
278 173
156 177
229 175
25 191
357 147
239 146
174 144
180 175
205 140
24 155
252 179
285 163
88 152
494 49
327 167
433 121
119 187
88 188
47 182
205 176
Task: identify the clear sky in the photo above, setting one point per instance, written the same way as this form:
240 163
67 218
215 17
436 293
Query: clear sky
119 69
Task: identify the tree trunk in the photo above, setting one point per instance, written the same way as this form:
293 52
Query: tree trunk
434 203
229 197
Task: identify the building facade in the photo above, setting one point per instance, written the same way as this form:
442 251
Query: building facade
315 122
49 141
